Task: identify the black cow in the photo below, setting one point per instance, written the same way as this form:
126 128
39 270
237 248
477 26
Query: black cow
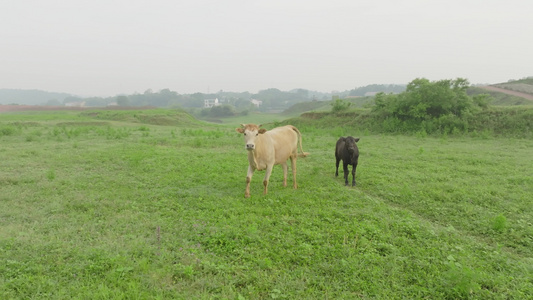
346 149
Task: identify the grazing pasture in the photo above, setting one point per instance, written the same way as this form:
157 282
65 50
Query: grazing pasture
97 208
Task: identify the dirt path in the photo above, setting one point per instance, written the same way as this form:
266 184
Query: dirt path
518 94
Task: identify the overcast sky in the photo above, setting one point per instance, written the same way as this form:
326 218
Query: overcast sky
109 47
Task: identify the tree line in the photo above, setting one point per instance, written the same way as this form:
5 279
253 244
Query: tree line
272 99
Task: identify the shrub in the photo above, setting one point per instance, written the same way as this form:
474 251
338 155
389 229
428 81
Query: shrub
7 130
340 105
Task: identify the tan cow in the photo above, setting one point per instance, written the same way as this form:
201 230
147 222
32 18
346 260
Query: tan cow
269 148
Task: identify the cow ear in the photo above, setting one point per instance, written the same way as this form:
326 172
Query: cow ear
239 130
262 130
356 140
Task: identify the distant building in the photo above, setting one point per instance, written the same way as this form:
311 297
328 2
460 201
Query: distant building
367 94
211 102
256 102
75 104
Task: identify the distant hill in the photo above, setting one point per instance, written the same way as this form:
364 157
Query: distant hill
373 89
302 107
513 92
524 86
318 106
499 98
31 97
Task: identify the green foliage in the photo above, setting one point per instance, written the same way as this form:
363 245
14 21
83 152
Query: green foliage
460 282
444 107
147 116
219 111
482 100
51 174
340 105
7 130
499 223
123 100
425 100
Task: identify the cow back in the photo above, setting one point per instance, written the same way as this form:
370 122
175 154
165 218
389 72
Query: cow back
339 147
285 142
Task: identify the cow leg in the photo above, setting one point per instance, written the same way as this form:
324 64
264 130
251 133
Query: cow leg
293 167
267 177
337 166
248 180
346 172
285 171
353 173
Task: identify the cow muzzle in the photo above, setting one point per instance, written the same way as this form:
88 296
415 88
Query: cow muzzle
250 146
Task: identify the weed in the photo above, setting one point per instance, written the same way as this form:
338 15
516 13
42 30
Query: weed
461 282
7 130
499 223
51 174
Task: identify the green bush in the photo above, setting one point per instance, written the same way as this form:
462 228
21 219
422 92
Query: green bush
7 130
340 105
425 100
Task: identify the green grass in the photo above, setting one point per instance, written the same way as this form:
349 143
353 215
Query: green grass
99 209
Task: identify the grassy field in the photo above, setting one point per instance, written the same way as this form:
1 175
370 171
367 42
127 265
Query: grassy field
103 206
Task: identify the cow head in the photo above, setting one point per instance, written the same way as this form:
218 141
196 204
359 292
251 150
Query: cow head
350 144
250 132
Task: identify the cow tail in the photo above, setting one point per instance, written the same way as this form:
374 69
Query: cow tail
303 154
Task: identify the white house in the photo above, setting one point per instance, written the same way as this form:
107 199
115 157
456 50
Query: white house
75 104
256 102
211 102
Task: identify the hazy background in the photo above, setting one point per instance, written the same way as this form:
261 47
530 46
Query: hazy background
104 48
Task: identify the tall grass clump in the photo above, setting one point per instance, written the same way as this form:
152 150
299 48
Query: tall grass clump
499 223
6 130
